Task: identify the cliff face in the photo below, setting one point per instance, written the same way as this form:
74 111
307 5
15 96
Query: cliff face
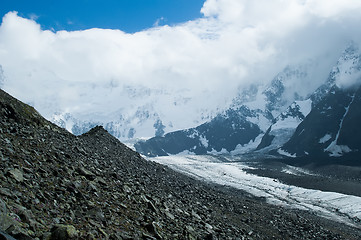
55 185
331 129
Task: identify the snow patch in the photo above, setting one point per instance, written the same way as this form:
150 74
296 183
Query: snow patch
194 135
215 152
349 71
260 120
252 145
204 141
305 106
337 150
290 122
185 153
296 171
285 153
325 138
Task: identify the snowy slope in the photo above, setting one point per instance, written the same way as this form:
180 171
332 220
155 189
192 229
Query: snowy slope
284 126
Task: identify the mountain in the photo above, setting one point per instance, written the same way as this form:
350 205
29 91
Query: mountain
240 128
331 129
277 120
285 125
58 186
315 133
133 112
140 112
223 133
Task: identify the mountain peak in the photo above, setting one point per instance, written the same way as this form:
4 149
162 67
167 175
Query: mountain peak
97 130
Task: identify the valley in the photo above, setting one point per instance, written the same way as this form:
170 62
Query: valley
334 197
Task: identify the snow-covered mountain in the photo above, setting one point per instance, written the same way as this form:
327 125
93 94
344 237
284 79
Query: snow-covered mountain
332 129
137 111
280 120
238 129
222 134
141 112
285 125
316 132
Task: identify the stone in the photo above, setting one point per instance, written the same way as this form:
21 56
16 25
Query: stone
17 175
86 173
169 215
24 236
92 186
195 215
6 192
96 213
208 227
8 223
100 180
63 232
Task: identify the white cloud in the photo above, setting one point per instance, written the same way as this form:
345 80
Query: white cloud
333 8
189 67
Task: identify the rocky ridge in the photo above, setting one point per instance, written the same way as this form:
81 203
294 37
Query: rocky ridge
54 185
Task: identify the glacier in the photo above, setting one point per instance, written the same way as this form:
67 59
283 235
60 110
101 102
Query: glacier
225 171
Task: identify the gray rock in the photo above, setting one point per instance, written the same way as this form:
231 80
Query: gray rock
63 232
6 192
86 173
17 175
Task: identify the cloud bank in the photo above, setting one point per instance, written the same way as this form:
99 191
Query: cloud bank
189 67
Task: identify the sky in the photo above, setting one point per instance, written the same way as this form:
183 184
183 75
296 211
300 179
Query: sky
128 15
179 61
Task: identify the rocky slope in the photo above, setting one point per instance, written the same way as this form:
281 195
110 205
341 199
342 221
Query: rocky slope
54 185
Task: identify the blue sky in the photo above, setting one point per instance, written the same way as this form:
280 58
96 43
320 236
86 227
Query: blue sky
126 15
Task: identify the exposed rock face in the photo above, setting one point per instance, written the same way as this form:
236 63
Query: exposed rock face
55 185
223 133
331 130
